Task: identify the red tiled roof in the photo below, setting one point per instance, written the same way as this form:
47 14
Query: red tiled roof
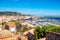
10 23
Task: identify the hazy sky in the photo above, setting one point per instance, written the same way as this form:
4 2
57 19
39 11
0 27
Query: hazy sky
33 7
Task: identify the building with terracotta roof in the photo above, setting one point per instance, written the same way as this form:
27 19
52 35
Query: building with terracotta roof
11 26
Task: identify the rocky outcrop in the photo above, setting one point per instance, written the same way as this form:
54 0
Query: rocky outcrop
53 36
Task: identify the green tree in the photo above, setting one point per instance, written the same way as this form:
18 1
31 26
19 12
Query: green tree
35 35
40 31
24 28
16 21
3 23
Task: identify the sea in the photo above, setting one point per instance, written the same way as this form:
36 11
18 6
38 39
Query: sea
57 19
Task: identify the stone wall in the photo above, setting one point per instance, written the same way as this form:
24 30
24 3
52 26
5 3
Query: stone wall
53 36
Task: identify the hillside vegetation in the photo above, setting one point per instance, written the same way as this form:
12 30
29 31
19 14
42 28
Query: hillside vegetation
11 13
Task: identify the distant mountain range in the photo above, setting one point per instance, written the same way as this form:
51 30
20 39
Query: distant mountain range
11 13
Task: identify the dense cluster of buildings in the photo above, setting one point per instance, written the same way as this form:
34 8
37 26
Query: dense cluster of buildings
30 21
11 26
24 20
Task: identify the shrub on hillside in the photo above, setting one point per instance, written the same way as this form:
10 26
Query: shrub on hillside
52 28
3 23
42 31
35 35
